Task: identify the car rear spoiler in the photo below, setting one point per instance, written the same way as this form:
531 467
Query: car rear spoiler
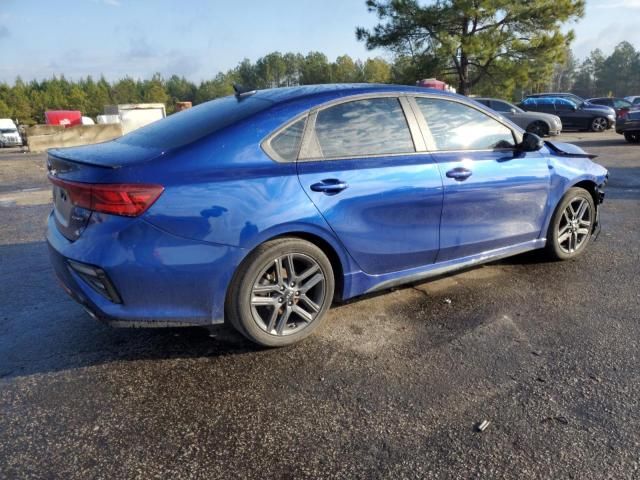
568 150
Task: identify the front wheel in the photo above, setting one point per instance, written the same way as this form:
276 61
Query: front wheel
632 137
571 225
599 124
281 292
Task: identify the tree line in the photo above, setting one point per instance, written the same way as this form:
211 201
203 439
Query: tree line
617 74
27 101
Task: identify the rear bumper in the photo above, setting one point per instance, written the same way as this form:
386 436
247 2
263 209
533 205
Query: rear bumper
628 126
159 279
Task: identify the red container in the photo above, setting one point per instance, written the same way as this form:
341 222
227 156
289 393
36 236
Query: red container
66 118
432 83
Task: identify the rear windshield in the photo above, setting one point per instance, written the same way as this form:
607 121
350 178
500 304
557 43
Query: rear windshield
195 123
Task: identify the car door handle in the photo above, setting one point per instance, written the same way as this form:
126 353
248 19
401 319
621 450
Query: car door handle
330 186
459 174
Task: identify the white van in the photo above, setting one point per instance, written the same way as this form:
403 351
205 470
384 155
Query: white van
9 136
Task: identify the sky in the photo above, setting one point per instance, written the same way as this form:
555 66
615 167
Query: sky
199 38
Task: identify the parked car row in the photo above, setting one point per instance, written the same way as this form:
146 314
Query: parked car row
574 115
548 113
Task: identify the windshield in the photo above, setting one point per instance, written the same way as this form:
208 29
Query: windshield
195 123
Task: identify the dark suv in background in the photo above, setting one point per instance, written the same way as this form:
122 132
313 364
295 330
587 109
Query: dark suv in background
569 96
583 116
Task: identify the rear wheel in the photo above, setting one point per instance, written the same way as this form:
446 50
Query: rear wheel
281 292
571 225
632 137
539 128
599 124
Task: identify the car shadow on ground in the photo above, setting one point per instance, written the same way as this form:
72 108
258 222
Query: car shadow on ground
42 330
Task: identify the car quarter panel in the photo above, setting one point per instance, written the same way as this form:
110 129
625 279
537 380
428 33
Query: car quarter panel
565 173
160 277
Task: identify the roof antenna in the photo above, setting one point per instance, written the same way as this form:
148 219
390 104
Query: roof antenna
242 92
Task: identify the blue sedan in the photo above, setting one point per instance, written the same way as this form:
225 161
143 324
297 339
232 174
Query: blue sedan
262 208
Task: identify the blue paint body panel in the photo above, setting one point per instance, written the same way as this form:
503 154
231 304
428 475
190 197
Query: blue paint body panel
400 219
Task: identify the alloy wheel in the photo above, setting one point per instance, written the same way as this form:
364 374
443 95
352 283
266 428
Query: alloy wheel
288 294
599 124
575 225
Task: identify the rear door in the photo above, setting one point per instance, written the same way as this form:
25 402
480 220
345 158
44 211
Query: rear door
363 165
494 195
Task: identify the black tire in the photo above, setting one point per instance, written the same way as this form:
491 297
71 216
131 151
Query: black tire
632 137
598 124
245 317
539 128
557 249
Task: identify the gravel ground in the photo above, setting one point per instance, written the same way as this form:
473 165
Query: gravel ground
392 387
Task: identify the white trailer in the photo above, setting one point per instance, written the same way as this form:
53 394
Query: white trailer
135 115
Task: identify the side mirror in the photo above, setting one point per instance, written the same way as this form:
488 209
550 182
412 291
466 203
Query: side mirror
513 110
530 142
574 108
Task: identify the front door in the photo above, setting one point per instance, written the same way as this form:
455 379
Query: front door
494 195
359 166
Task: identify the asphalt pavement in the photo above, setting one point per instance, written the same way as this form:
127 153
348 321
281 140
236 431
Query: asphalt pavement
393 386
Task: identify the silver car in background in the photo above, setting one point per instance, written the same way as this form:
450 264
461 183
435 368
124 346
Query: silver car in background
542 124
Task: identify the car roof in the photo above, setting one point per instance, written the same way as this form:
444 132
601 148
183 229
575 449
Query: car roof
550 94
550 100
338 90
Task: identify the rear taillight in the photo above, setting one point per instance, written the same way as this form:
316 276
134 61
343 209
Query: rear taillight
623 114
129 200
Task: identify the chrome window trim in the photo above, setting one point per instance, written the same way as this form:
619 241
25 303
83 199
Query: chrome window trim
309 150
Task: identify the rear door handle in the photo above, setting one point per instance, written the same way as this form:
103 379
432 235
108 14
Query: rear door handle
330 186
459 174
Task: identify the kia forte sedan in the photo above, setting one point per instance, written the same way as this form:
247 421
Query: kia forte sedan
262 208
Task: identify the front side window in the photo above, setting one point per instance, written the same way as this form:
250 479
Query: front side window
375 126
286 144
455 126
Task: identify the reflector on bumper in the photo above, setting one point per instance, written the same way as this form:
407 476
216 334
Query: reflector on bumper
97 279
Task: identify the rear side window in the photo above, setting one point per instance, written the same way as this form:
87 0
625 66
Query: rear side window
286 144
375 126
455 126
